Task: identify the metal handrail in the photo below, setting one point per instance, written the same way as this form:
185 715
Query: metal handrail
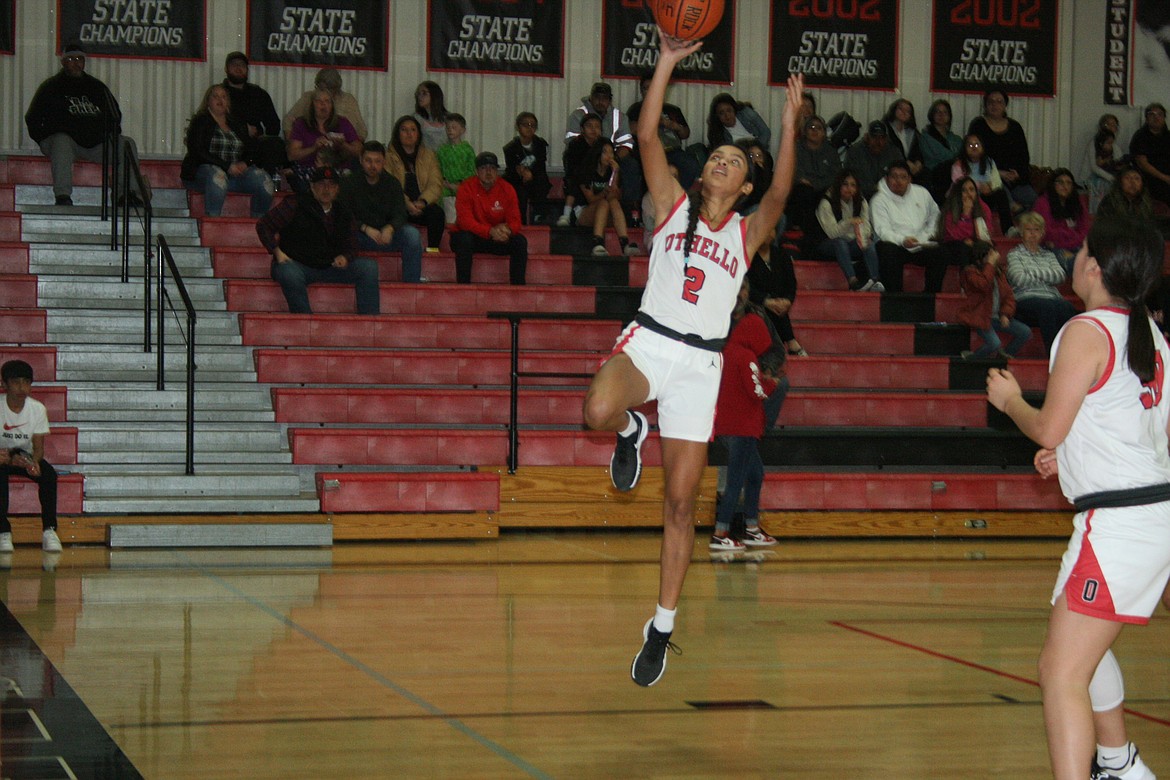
166 261
514 318
132 168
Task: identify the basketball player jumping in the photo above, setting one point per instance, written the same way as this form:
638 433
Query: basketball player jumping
671 352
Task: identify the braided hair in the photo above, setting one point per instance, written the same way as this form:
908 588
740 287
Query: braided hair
1129 254
695 201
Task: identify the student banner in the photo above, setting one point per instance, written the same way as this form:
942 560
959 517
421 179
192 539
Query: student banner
497 36
1010 44
630 45
341 33
7 26
134 28
844 44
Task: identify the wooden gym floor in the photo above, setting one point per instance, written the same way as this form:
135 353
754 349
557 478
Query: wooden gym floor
510 658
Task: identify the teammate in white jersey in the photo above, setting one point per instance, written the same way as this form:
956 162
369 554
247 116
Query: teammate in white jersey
672 351
1103 431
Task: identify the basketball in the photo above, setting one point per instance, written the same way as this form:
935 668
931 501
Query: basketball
687 20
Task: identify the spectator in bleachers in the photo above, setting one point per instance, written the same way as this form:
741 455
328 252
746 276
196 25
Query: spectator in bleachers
344 103
253 106
988 305
808 109
650 215
964 220
379 210
600 189
673 131
417 169
1035 273
321 137
870 157
616 127
70 116
312 238
526 166
940 146
1150 149
817 165
488 221
729 121
745 384
221 155
762 162
902 129
571 159
772 280
1065 216
456 162
905 219
842 232
974 163
1127 197
431 113
22 452
1005 142
1100 162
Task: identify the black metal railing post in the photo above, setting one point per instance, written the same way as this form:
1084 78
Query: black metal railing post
167 262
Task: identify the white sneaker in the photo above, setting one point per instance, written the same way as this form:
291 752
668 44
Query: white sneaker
50 542
725 544
630 250
867 286
878 287
563 220
599 250
6 543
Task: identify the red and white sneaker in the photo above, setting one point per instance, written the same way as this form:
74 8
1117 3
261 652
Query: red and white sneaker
757 538
726 544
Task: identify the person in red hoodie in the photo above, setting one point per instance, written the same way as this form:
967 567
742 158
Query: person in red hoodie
990 306
739 424
487 219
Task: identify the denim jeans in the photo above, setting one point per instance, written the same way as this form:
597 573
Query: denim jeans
845 252
407 241
294 279
745 471
1019 332
215 183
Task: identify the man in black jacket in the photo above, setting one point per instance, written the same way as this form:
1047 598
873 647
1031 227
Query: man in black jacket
314 240
70 115
253 106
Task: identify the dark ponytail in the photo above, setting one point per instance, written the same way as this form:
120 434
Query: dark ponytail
1129 254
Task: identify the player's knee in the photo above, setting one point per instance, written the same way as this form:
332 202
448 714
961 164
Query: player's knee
598 411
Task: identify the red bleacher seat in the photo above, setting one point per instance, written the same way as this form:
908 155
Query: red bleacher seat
23 325
13 257
878 491
42 359
18 290
408 492
23 498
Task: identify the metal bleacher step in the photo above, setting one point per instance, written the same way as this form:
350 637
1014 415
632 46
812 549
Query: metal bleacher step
218 483
52 259
67 291
115 358
181 505
39 199
86 230
232 440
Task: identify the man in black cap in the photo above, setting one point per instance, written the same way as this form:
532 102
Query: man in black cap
870 156
253 106
315 240
616 127
487 219
69 117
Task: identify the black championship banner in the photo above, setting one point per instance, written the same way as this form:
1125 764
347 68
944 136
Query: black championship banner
630 45
7 26
341 33
1008 44
846 44
167 29
497 36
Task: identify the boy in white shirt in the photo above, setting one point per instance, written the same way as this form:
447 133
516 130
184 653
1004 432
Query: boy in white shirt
22 452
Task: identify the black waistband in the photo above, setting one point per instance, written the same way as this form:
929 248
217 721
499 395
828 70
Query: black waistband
690 339
1108 499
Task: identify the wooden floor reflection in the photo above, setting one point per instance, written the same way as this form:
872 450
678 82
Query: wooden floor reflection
510 658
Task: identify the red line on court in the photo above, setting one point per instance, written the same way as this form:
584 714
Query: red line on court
972 664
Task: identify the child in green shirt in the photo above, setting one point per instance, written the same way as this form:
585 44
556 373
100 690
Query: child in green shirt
456 161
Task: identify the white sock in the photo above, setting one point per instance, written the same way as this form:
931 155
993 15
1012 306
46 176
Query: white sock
568 211
664 619
1114 757
631 427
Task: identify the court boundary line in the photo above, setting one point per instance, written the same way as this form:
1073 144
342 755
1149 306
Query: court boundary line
973 664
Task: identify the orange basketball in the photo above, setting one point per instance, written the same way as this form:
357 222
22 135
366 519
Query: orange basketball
687 20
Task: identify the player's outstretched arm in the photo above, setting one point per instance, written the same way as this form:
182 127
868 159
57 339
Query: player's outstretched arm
664 188
760 223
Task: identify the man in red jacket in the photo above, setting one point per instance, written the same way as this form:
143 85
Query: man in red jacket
487 219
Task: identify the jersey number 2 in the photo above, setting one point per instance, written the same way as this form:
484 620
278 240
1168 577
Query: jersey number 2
695 278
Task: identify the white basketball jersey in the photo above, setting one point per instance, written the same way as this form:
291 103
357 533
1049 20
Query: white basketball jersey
696 295
1118 438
